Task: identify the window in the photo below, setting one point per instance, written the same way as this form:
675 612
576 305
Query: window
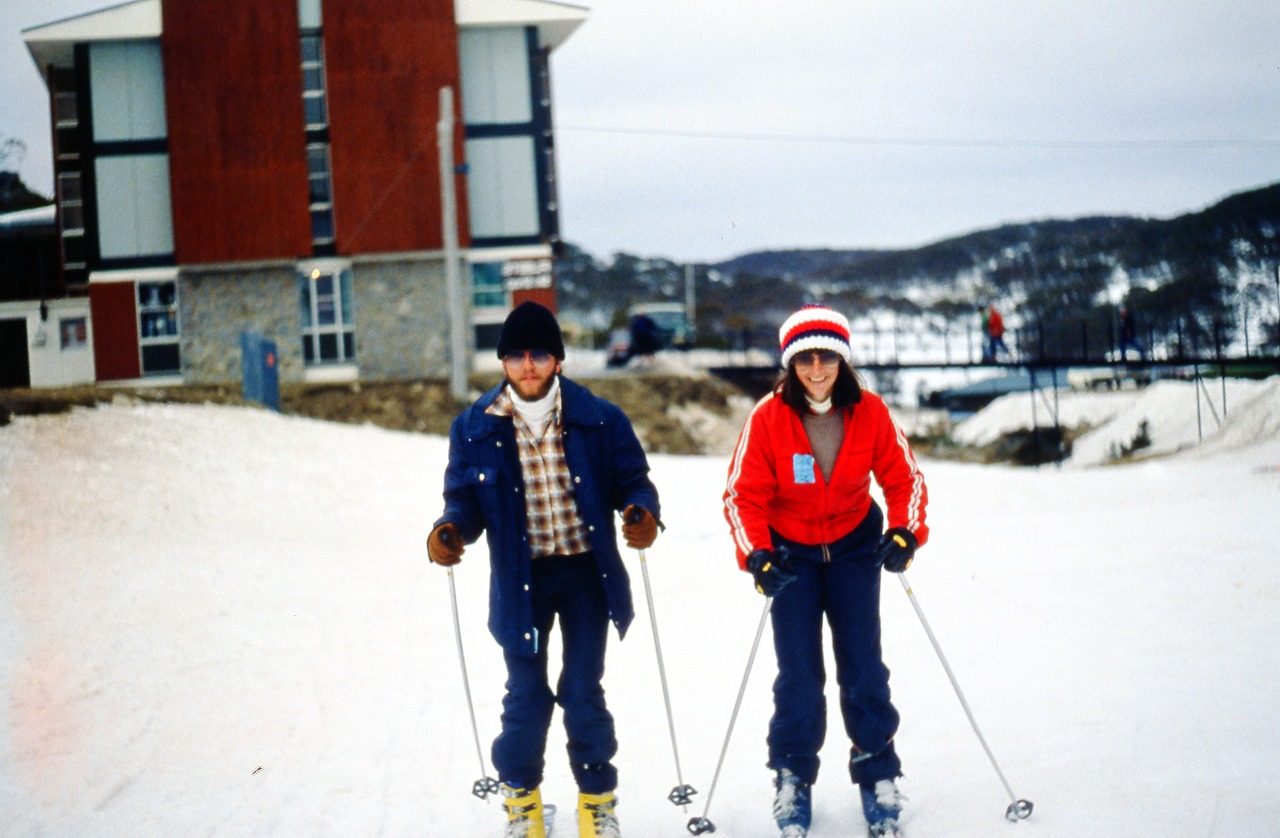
502 187
315 111
321 193
136 187
487 288
328 330
73 332
495 75
313 95
71 201
158 328
126 80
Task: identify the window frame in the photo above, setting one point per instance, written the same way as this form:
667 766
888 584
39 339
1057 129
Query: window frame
335 338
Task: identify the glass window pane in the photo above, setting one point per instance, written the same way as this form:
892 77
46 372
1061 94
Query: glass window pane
313 107
319 190
345 288
66 106
73 250
308 353
309 16
69 186
322 225
161 358
68 141
310 49
73 332
304 286
325 313
313 79
348 345
72 217
328 347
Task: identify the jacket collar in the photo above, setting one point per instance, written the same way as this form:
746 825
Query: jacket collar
578 407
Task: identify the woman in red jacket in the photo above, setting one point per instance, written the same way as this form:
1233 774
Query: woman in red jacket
805 525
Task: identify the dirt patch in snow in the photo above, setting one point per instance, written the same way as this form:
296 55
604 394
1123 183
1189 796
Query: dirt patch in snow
673 414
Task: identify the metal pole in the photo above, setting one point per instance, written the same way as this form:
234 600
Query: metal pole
1019 809
486 785
699 826
690 303
1199 420
681 794
459 323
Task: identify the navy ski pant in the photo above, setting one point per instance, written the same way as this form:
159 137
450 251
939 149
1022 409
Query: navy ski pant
846 590
568 587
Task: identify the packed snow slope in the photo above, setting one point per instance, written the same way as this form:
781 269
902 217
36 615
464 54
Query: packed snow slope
221 621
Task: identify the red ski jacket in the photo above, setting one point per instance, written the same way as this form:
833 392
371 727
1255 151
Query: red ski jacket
774 480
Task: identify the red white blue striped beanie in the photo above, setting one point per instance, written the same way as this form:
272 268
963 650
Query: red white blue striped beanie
815 328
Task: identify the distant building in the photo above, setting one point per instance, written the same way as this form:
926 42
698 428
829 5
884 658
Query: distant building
271 166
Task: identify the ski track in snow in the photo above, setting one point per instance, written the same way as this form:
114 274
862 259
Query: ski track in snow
221 621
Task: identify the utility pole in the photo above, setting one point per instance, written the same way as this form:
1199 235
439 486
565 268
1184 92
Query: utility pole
459 322
690 303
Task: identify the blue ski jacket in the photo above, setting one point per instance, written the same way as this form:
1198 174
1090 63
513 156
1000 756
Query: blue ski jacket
484 493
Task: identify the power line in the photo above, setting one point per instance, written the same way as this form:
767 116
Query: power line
925 142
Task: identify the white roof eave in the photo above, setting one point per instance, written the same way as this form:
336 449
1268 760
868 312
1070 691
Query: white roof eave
52 43
555 21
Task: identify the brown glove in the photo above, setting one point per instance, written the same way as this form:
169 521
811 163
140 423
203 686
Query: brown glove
639 529
444 545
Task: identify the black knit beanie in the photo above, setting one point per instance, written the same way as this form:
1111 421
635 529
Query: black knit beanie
530 326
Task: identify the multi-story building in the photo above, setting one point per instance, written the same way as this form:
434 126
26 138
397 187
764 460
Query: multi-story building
272 166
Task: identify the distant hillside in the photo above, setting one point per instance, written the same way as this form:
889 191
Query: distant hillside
1189 277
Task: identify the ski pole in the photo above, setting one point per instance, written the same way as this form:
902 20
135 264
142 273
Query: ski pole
1019 809
682 794
698 826
486 785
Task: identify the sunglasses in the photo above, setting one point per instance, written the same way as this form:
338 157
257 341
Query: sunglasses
825 358
539 357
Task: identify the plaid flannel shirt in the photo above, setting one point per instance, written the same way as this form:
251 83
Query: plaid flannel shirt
554 525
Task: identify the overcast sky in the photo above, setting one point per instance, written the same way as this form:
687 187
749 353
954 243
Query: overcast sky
689 131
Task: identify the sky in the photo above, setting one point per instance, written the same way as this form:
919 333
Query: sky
689 133
250 640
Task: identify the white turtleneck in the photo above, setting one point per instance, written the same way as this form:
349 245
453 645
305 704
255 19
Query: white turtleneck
536 415
818 407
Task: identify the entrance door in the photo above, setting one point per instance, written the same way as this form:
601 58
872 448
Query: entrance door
15 369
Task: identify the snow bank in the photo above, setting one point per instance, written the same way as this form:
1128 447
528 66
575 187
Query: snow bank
1178 415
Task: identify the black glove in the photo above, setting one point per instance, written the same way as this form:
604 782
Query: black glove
771 570
897 548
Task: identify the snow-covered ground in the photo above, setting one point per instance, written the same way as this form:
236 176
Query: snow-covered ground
221 621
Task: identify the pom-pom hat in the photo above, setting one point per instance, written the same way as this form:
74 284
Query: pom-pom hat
815 328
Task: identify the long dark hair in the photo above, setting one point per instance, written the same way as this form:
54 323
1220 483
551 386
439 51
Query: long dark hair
847 390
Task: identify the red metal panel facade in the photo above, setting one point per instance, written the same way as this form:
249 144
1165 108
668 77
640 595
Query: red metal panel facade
238 169
545 297
114 309
385 66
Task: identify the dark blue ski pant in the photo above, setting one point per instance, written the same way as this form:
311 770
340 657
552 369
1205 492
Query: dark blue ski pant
568 587
846 590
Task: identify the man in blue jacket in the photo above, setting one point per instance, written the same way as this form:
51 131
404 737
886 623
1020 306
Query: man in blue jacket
539 465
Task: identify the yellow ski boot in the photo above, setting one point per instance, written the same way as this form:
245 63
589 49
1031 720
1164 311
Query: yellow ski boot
524 813
596 816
